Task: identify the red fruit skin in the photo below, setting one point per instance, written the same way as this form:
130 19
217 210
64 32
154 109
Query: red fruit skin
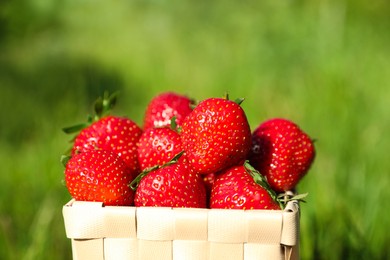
158 146
216 135
99 175
282 152
117 134
208 180
163 107
234 188
175 185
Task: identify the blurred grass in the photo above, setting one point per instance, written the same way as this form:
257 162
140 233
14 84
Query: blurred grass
324 64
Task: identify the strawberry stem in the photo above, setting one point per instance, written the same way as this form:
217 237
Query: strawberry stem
104 105
237 100
174 159
285 197
134 184
193 103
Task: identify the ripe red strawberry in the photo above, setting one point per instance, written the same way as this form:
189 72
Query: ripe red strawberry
107 132
235 188
163 107
117 134
172 185
158 146
282 152
216 135
99 175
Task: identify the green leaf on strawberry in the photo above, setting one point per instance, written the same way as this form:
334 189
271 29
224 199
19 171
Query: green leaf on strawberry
174 184
107 132
238 187
157 146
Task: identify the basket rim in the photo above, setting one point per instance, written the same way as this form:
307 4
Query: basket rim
91 220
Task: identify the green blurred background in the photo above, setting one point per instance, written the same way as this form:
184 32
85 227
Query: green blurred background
323 64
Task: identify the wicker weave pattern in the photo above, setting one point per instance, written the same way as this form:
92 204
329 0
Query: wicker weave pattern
114 233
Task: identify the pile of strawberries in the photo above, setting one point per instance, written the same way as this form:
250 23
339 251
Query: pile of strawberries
186 154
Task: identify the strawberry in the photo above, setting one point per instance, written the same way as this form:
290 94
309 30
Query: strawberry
171 185
216 135
240 187
99 175
157 146
282 152
118 134
106 132
163 107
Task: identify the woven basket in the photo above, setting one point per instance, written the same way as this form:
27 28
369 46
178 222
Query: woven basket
114 233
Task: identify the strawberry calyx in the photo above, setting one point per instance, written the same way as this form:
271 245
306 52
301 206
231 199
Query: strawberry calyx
134 184
173 125
289 196
262 181
102 107
238 101
283 198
